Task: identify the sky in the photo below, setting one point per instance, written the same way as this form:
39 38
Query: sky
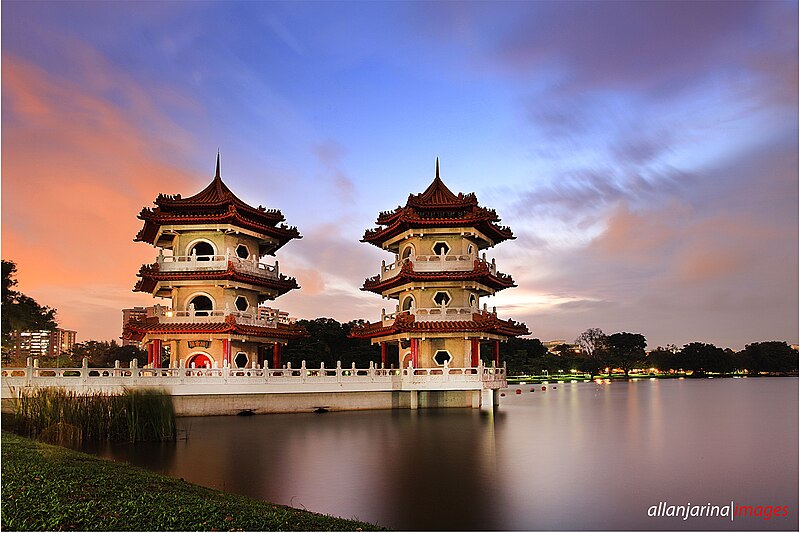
645 154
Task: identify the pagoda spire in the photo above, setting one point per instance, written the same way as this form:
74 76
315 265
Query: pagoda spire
437 168
217 174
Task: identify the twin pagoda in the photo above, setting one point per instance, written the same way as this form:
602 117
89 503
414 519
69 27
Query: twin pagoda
216 281
438 276
214 276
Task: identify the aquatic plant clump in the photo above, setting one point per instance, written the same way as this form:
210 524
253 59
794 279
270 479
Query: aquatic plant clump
67 417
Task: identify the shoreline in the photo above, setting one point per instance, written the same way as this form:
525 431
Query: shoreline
50 488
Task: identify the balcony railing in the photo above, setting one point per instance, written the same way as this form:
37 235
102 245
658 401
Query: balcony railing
231 380
442 312
174 263
436 263
192 316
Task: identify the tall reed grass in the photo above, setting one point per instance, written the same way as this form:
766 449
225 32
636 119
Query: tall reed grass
66 417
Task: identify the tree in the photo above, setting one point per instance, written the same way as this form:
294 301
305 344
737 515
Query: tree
103 354
524 356
626 350
593 344
771 356
702 357
21 312
664 359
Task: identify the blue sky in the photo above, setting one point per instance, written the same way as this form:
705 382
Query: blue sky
645 154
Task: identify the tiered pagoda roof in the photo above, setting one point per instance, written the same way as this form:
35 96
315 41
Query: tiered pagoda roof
483 322
215 204
438 207
137 329
151 275
480 273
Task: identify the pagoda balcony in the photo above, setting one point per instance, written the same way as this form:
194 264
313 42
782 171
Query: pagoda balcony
168 316
436 263
436 314
200 263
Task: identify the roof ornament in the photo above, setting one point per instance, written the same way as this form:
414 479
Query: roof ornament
217 174
437 167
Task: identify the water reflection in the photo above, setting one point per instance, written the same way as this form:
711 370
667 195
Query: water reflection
582 456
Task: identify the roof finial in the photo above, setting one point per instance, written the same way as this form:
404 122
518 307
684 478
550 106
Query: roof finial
217 174
437 167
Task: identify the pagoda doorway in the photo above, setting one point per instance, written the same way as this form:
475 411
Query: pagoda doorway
199 360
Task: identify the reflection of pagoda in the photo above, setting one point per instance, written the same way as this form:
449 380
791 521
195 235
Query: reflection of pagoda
438 279
215 281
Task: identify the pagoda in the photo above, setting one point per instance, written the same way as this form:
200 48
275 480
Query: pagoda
438 277
213 275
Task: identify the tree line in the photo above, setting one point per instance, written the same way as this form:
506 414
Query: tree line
598 353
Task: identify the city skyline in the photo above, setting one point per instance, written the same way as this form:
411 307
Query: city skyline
645 154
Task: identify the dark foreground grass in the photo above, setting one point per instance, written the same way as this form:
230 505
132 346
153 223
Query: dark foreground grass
49 488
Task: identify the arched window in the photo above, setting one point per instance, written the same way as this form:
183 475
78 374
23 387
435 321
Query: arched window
408 251
203 250
473 301
203 306
470 250
408 303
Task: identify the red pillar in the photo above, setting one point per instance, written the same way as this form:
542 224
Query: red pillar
476 352
383 354
226 352
415 353
276 355
150 353
156 353
496 353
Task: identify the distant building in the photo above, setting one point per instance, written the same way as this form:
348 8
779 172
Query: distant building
42 343
137 313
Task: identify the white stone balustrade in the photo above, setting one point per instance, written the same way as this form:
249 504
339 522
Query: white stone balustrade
227 380
436 263
192 316
192 263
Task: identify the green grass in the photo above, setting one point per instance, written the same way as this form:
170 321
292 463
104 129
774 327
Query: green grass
49 488
66 417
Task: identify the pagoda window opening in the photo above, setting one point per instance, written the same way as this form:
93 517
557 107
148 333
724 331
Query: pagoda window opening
241 360
473 301
441 298
441 357
202 305
242 252
441 248
203 250
470 250
241 303
408 251
408 303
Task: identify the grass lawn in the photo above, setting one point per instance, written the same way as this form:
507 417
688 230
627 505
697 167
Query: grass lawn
49 488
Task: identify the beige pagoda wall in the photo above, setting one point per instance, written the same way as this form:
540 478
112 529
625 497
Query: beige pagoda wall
221 241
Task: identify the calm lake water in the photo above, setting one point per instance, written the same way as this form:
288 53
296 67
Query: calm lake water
581 456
